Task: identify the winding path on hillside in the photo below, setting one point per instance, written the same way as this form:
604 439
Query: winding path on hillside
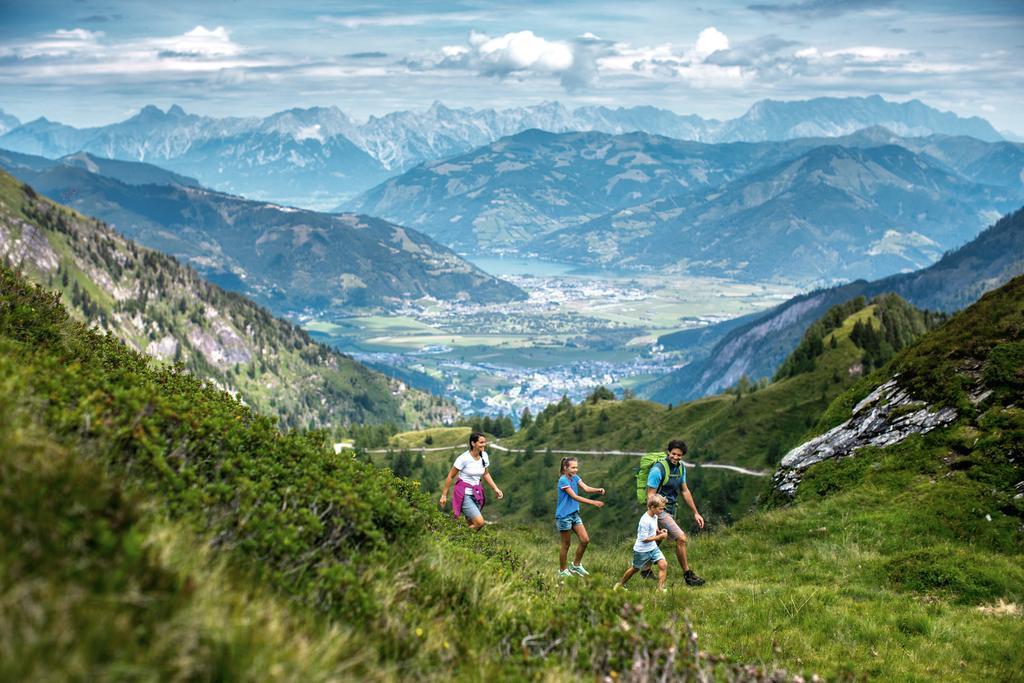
498 447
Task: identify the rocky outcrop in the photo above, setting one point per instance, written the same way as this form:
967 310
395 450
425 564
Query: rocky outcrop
887 416
164 348
218 341
22 243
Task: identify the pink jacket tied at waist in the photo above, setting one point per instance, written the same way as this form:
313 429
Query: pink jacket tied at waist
460 494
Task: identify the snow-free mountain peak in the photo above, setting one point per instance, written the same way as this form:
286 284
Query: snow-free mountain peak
318 157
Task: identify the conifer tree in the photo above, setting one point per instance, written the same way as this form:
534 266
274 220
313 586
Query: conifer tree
403 463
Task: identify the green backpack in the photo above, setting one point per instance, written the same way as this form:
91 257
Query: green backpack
647 461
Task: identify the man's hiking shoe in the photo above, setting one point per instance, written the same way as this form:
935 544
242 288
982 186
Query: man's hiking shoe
619 587
692 579
578 569
564 573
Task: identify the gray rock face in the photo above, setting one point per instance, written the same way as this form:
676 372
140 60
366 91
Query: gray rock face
23 243
887 416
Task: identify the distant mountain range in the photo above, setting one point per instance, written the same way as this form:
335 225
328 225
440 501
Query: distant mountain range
158 306
318 157
290 260
127 172
519 188
831 214
810 210
833 117
8 122
755 346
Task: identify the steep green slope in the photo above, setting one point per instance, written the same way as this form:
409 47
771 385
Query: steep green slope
151 527
933 522
157 305
903 562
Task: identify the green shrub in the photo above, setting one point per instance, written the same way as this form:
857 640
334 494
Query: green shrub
1004 371
956 573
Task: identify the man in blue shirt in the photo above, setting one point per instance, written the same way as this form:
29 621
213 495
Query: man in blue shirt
672 485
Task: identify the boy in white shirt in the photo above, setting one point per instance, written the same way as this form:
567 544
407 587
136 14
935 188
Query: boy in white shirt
645 550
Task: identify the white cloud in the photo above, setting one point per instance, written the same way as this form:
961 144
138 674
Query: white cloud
843 62
709 41
69 54
520 53
584 60
870 53
79 46
767 64
362 21
78 34
688 64
60 43
199 42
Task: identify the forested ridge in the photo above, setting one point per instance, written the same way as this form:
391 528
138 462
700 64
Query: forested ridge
156 304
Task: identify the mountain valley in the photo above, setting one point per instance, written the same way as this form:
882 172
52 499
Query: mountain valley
755 346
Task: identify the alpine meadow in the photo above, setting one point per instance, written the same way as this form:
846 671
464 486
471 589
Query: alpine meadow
491 342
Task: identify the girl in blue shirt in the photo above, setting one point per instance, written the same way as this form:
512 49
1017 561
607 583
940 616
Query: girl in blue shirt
567 516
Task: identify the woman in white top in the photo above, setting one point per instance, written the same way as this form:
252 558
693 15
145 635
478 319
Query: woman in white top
470 467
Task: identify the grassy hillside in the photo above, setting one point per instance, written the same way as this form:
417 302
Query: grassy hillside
752 425
159 306
901 563
154 528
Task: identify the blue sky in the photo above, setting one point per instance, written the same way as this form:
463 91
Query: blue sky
96 62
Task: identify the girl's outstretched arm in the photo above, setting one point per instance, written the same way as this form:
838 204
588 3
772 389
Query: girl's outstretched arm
577 497
590 489
452 473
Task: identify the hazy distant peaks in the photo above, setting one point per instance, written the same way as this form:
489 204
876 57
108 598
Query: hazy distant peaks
327 157
8 122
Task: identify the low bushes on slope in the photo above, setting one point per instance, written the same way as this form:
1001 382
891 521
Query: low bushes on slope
311 519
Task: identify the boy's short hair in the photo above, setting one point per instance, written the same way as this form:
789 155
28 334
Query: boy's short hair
657 501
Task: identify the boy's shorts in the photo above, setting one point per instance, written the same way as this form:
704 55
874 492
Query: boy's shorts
568 522
643 558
